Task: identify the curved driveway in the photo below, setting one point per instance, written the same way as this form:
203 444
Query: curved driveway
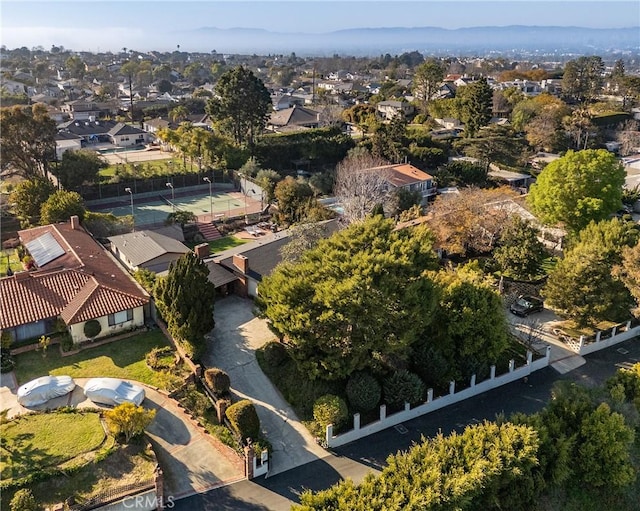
236 336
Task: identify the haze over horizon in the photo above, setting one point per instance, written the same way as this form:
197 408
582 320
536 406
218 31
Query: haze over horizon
94 25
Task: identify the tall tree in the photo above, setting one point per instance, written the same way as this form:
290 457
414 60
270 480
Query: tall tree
28 141
477 105
426 80
186 301
293 198
520 253
61 206
241 105
629 272
28 196
78 167
578 188
358 188
354 299
582 285
582 78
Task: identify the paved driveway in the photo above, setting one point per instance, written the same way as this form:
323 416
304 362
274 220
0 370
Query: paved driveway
191 460
236 336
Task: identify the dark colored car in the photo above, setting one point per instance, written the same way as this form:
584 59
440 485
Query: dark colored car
525 305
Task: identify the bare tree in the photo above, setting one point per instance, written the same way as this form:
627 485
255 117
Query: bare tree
629 137
302 237
361 184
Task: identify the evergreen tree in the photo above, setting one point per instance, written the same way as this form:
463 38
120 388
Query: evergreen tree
477 106
520 253
61 206
185 300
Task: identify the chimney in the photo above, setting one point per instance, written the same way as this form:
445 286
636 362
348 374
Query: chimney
21 275
75 222
241 262
201 250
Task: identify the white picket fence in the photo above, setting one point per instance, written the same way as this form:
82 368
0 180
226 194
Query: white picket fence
607 338
432 404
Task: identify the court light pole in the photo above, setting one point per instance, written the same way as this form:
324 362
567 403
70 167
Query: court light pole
173 196
206 178
133 217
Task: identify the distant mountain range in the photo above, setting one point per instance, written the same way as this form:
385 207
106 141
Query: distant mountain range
374 41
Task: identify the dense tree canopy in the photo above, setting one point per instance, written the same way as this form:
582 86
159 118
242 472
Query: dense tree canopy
583 77
27 140
186 300
294 197
582 284
61 206
578 188
520 253
354 298
241 105
629 272
426 80
28 196
78 167
477 102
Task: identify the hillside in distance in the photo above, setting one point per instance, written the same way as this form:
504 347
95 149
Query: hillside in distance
374 41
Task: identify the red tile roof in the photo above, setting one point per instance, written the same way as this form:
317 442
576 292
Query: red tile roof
402 174
84 283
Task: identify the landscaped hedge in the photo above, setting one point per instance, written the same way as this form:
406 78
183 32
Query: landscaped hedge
403 387
218 381
92 328
363 392
275 354
330 409
244 419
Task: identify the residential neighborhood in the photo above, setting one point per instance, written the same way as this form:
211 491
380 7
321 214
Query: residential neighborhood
319 282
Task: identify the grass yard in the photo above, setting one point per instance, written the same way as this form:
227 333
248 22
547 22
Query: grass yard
120 359
127 464
222 244
10 257
45 440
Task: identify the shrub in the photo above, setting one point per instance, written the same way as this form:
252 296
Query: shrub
244 419
275 354
6 361
195 401
6 339
330 409
217 380
403 387
92 328
23 500
160 358
128 420
66 342
363 392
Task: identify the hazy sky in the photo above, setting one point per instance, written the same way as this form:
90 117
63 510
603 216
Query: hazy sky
95 25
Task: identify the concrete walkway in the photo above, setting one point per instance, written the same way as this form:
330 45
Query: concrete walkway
192 461
236 336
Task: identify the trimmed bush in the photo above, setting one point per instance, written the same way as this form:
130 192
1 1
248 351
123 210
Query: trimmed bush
217 380
403 387
160 358
363 392
66 342
23 500
275 354
244 419
92 328
7 363
330 409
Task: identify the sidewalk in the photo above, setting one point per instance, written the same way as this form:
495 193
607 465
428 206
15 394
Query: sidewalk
235 338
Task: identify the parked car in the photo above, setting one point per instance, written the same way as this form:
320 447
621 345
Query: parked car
39 391
526 305
113 392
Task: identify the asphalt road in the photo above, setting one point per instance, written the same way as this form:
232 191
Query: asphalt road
354 460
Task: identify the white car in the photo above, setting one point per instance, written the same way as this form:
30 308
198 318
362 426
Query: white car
113 391
39 391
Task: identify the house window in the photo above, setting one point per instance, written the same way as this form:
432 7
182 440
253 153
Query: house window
30 330
120 317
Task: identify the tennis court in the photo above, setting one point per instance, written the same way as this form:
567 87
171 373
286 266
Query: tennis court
154 210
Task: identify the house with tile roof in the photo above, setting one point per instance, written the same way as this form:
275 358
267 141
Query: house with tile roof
296 117
405 175
147 250
75 280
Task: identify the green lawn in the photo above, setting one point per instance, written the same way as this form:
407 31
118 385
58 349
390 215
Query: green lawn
119 359
46 440
222 244
13 261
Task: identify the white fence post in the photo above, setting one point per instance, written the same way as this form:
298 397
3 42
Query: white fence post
512 365
628 325
529 357
452 387
383 412
429 395
329 434
613 330
407 406
581 342
493 372
473 380
356 421
598 334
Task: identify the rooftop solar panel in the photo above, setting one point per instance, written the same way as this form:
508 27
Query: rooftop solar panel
44 249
